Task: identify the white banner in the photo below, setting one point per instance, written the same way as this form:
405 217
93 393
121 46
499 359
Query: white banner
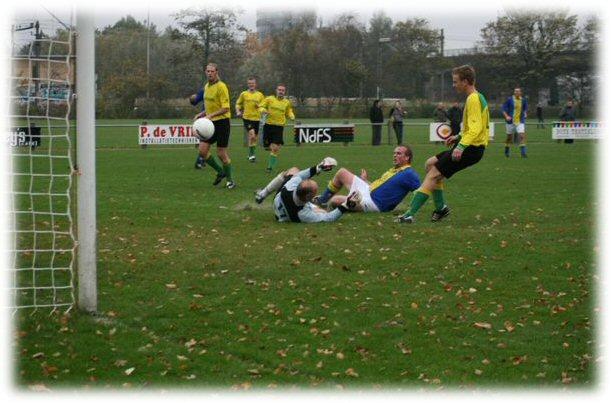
166 134
576 130
440 131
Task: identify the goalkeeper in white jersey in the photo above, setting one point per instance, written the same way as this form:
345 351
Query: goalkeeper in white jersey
294 191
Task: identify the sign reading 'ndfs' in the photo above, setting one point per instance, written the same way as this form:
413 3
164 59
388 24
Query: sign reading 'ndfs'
324 133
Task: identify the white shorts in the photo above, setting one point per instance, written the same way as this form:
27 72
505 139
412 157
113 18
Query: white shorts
512 128
362 187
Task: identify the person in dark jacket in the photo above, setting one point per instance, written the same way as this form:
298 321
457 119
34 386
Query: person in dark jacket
568 115
376 117
440 114
540 121
455 117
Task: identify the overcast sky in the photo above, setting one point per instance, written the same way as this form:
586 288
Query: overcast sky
461 25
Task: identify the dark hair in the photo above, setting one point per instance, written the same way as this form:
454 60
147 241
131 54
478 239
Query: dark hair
376 102
408 152
303 192
465 72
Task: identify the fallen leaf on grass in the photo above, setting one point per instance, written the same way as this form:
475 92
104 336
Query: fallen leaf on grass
482 325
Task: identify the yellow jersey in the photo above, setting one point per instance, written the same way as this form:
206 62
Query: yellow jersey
517 110
278 110
216 96
476 121
248 103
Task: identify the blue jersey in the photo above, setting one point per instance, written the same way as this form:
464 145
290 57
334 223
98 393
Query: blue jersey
392 187
509 108
199 97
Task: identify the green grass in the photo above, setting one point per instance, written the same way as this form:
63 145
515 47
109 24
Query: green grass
199 286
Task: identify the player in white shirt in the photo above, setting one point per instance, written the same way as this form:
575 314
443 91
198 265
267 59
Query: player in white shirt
294 192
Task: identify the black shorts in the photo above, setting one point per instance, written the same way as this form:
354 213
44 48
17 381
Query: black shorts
251 125
470 156
272 134
222 128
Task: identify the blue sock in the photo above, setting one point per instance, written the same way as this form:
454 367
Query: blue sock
327 194
523 150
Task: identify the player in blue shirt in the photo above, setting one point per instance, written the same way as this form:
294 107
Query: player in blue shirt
381 195
195 99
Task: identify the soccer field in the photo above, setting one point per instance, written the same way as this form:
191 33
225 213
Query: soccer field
199 286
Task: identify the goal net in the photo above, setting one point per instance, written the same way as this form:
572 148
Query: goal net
42 244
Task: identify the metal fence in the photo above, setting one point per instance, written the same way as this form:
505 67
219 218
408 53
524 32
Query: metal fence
124 135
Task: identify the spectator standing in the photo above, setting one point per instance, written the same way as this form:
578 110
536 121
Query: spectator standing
396 116
455 117
540 121
568 115
376 117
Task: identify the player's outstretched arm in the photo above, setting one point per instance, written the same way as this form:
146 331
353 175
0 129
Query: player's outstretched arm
197 98
326 164
314 214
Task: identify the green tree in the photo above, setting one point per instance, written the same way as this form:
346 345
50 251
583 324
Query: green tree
341 52
215 36
527 44
294 58
410 65
121 66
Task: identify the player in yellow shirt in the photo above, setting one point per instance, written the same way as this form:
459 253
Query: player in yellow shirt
469 147
277 109
247 106
217 109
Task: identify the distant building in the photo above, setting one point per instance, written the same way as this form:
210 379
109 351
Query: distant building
270 22
52 78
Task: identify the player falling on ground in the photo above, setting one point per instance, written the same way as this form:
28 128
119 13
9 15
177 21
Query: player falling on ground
469 147
217 109
294 191
381 195
515 110
247 107
276 108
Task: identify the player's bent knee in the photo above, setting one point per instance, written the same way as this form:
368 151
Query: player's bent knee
430 163
291 171
336 201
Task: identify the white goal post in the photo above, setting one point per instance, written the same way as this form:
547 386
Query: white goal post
49 254
86 194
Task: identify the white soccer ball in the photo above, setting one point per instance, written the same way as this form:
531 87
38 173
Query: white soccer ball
203 128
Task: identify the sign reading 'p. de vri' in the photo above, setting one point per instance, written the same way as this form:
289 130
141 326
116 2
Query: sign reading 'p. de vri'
166 134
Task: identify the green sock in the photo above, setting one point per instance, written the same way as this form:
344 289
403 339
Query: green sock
211 160
438 199
273 159
417 201
228 173
251 151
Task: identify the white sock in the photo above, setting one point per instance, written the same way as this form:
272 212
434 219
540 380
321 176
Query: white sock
273 186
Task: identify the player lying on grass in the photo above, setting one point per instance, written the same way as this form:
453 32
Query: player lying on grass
381 195
294 192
